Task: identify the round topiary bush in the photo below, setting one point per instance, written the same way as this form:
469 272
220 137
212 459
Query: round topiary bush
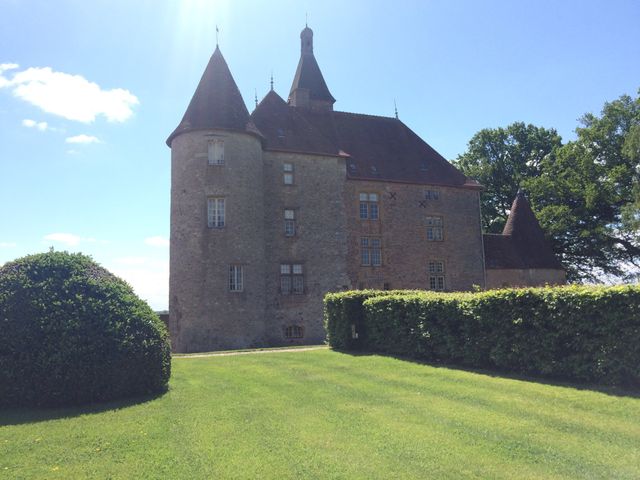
72 333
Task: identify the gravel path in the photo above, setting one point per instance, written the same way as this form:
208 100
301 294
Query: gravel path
249 352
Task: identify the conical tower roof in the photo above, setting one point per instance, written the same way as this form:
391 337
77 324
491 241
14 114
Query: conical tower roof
528 237
308 75
216 103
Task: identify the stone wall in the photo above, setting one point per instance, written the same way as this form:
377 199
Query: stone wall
535 277
204 314
319 243
402 228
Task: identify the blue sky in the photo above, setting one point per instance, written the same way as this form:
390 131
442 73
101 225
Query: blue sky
89 91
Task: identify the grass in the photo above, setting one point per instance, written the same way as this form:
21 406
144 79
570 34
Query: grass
322 414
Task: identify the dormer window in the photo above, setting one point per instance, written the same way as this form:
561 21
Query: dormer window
215 152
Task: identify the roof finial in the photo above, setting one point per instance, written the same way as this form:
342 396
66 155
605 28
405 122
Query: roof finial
217 31
256 96
395 107
306 20
272 81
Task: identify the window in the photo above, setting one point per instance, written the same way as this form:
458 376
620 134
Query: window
289 223
235 278
436 275
288 173
432 194
293 331
370 251
434 229
291 279
215 212
216 152
369 206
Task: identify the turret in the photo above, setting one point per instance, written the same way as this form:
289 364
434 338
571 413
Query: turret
309 89
217 258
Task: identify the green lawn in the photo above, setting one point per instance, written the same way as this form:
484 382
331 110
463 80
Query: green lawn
322 414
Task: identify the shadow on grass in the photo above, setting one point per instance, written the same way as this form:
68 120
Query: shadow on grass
22 415
629 392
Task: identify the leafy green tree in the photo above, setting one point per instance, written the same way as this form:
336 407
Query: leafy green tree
501 159
585 193
587 197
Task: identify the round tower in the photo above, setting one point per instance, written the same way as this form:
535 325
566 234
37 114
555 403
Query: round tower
217 248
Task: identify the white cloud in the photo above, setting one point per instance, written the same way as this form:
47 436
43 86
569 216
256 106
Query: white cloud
42 126
72 240
82 139
157 241
7 244
149 277
69 96
72 152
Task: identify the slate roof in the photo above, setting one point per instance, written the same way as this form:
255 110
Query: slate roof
522 243
309 76
377 148
216 103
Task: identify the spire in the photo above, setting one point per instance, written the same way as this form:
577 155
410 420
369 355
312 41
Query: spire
272 81
528 236
395 108
309 88
216 103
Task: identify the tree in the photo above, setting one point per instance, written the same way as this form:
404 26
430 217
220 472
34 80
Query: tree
587 197
501 159
586 193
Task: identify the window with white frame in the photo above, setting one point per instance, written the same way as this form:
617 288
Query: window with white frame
215 212
291 279
287 169
216 152
294 331
236 280
368 206
436 275
370 251
289 223
435 229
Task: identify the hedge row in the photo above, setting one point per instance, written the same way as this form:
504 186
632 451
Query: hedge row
587 334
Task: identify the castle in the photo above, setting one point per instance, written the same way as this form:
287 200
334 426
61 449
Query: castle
271 210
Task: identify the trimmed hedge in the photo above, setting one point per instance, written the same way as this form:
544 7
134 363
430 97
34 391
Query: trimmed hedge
586 334
73 333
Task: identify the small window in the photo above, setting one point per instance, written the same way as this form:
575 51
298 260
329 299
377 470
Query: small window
432 194
291 279
289 223
294 331
216 152
288 173
435 229
236 278
369 206
215 212
436 275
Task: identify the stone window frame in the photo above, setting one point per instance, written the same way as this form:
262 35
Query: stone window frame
437 272
434 228
216 212
290 229
292 279
236 278
371 246
369 205
215 152
288 174
293 332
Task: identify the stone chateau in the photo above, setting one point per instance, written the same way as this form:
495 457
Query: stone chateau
271 210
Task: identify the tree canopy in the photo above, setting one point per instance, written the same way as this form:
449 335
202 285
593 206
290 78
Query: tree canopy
585 193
